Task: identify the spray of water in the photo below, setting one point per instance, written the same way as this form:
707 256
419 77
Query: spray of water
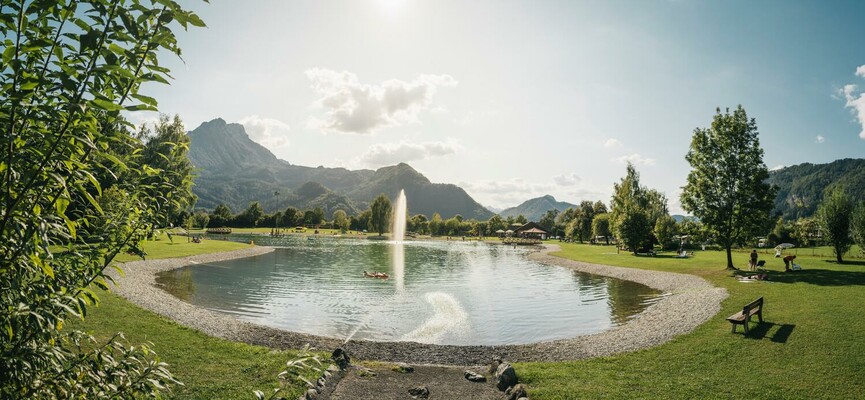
398 232
448 317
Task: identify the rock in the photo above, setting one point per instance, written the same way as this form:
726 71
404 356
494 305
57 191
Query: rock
420 392
403 368
475 377
340 358
365 372
505 376
321 382
494 364
311 394
519 391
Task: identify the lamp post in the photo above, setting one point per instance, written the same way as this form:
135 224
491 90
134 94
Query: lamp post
275 215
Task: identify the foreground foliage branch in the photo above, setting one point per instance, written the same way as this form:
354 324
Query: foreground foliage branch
80 187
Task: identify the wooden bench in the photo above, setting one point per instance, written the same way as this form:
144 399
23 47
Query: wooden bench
744 317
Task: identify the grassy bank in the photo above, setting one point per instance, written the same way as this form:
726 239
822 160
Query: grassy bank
210 368
811 345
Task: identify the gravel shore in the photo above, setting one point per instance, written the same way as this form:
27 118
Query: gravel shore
689 301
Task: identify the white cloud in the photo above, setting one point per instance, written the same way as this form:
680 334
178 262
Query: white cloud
567 179
354 107
635 159
855 102
820 139
612 142
381 154
268 132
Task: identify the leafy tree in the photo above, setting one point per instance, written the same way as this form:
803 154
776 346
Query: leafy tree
665 230
630 199
167 149
67 70
633 230
521 219
858 225
201 219
436 224
380 214
601 226
340 220
252 215
289 218
599 207
221 216
361 222
781 233
548 220
805 231
495 223
584 220
834 216
726 187
452 226
419 224
693 229
317 216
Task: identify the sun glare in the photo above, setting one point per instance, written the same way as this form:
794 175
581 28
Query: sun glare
391 7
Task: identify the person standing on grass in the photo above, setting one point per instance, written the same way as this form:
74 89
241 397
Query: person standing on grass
787 261
753 262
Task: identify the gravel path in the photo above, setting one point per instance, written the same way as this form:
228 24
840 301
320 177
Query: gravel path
689 302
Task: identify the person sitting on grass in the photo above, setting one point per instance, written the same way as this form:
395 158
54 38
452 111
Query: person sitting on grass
787 261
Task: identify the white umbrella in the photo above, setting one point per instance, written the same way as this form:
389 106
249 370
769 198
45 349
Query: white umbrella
785 246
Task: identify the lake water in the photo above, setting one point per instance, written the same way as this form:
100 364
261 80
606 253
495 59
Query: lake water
461 293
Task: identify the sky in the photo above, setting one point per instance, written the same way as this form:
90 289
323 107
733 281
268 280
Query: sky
516 99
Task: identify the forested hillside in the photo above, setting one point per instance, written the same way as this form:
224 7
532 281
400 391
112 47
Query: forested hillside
801 187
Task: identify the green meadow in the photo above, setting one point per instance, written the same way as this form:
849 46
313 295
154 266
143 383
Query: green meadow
810 346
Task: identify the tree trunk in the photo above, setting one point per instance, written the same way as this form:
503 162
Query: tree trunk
730 258
838 257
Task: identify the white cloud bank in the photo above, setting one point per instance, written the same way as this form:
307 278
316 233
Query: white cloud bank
354 107
268 132
635 159
509 193
381 154
612 142
820 139
856 101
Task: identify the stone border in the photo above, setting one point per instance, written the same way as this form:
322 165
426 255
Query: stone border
689 302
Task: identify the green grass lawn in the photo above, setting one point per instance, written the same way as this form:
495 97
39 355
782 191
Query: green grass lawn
210 368
811 346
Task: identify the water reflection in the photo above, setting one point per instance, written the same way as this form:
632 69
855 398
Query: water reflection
447 292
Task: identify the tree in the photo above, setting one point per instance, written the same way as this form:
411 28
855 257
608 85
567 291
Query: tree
340 221
548 220
167 149
805 230
632 206
858 225
252 215
380 213
435 224
419 224
633 230
665 230
781 233
726 187
521 219
67 71
201 219
289 218
834 216
601 226
317 217
221 216
599 207
584 219
495 223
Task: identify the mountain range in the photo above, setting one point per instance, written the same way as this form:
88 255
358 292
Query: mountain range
534 209
235 171
801 187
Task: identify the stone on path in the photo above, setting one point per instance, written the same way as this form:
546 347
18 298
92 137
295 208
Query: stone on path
420 392
340 358
403 368
517 392
474 376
